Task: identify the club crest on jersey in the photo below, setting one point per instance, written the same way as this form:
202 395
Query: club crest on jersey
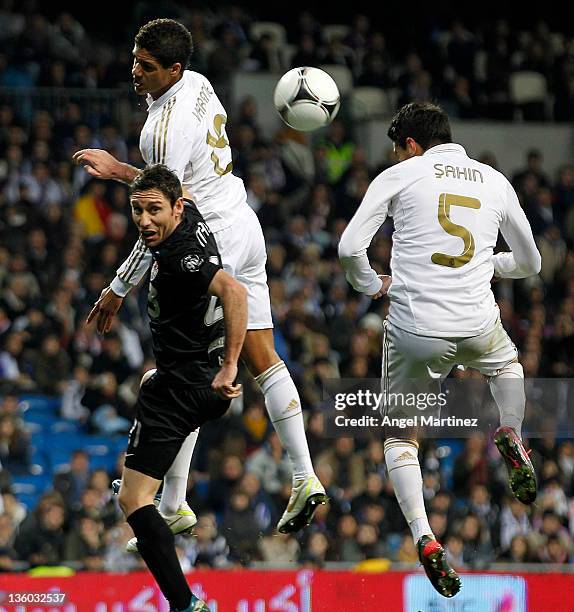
154 270
191 263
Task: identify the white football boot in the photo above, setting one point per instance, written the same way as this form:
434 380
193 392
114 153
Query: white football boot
180 523
305 497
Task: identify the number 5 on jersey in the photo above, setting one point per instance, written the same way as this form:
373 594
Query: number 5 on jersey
446 200
219 141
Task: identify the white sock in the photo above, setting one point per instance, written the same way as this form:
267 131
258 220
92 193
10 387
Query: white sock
175 479
403 467
507 389
284 409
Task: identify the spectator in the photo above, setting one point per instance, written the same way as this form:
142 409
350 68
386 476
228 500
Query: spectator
472 466
43 544
240 526
220 488
477 550
270 464
8 554
85 544
208 548
348 548
519 551
50 366
72 482
279 550
347 467
14 446
513 521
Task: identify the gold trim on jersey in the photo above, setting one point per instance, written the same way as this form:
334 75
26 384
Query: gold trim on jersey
154 157
159 144
170 105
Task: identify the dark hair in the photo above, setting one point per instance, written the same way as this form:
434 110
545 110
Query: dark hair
160 177
426 123
167 40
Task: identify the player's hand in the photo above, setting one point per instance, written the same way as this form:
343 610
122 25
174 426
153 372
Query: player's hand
383 290
223 383
105 310
98 163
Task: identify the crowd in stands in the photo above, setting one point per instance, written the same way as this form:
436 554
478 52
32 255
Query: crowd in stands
468 67
62 237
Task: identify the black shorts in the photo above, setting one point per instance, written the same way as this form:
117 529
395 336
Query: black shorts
165 415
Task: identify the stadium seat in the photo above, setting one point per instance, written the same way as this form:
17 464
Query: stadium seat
369 103
65 426
335 30
527 86
39 421
341 75
29 488
528 93
276 30
40 403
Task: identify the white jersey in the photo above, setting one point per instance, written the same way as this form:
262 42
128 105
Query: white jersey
447 210
185 130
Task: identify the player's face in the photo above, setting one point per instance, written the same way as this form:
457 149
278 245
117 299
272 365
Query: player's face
154 215
149 76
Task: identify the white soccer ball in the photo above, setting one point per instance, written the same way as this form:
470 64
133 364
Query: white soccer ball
306 98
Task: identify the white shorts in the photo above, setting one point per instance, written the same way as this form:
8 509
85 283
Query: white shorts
422 362
243 255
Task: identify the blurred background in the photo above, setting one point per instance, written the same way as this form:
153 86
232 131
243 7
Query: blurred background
67 394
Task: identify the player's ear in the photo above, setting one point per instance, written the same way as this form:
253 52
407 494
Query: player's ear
176 68
413 147
178 206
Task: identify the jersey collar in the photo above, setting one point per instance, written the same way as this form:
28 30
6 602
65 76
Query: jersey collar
151 103
444 148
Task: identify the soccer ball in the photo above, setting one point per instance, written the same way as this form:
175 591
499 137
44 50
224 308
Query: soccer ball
306 98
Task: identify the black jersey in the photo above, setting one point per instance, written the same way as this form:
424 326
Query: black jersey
186 322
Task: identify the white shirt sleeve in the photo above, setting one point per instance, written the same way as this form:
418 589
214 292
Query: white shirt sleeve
524 258
365 223
130 273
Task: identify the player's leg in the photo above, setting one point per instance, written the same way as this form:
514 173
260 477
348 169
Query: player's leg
155 540
154 441
173 503
498 361
284 409
409 365
243 256
173 507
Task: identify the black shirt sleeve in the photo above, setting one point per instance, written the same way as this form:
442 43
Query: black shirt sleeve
195 265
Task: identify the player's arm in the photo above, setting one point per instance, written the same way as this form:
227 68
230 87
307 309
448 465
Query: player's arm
524 258
103 165
357 237
233 297
133 269
128 275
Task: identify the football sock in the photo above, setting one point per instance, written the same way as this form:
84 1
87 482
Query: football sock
403 467
507 388
156 545
284 409
175 479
